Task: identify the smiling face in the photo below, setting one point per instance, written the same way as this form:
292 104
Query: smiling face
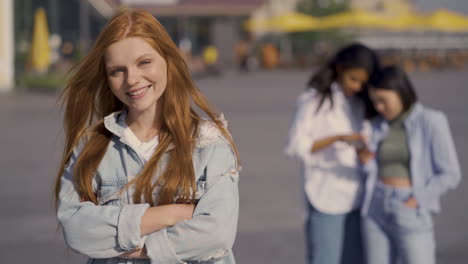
352 80
136 73
387 103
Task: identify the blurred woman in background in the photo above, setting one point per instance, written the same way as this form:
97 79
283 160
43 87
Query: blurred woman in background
328 127
410 162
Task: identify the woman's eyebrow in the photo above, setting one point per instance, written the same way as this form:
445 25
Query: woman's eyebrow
144 55
114 67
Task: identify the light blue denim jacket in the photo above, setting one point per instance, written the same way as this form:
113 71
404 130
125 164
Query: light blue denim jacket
105 231
434 166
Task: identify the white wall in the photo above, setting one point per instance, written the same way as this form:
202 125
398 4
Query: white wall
6 46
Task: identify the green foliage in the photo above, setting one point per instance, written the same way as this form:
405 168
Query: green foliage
304 44
311 7
49 82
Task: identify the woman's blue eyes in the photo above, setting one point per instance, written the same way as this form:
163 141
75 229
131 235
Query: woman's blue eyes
142 63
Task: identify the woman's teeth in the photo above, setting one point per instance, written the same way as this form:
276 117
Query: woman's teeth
139 91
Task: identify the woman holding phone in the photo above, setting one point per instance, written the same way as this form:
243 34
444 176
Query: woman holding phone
327 128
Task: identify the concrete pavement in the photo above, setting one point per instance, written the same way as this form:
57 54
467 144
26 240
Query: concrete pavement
259 108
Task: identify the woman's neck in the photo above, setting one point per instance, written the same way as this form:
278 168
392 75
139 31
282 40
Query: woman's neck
402 116
145 125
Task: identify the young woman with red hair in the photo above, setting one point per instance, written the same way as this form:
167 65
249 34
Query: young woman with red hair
144 178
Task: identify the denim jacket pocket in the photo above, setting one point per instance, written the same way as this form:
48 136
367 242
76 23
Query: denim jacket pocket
109 194
201 186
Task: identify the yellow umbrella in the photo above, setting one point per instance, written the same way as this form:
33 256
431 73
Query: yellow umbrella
40 50
293 22
441 20
289 22
258 25
358 18
353 18
444 20
407 20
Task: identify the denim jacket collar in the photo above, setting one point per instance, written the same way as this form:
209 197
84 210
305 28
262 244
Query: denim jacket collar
207 130
115 123
415 113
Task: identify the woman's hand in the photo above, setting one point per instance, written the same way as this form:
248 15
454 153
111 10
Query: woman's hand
412 203
354 137
365 155
136 254
159 217
356 140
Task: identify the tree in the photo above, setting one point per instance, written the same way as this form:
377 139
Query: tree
314 46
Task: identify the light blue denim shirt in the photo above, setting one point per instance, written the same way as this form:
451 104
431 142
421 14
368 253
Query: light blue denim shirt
434 166
111 228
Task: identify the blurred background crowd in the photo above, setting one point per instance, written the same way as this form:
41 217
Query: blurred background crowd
43 38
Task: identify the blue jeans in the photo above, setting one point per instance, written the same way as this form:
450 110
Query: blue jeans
394 233
333 238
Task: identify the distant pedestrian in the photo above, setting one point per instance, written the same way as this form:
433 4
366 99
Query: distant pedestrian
410 163
211 60
328 128
242 52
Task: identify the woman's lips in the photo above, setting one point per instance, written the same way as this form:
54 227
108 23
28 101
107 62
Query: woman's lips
138 93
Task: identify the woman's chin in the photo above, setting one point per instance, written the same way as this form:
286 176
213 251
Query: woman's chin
389 117
141 108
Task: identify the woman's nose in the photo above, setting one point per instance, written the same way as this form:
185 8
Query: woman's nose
133 77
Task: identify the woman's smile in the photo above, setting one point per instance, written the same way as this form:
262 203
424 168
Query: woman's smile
139 92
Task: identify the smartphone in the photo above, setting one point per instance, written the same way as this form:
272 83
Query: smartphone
358 144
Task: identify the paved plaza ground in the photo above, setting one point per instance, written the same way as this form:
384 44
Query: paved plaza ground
259 107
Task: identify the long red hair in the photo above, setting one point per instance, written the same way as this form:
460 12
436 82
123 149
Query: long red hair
87 99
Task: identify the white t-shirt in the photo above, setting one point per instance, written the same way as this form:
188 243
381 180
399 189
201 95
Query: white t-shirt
332 180
144 149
